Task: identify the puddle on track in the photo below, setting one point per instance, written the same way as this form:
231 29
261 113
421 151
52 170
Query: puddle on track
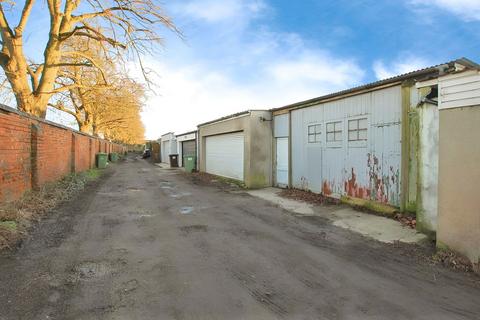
166 185
135 189
186 210
180 195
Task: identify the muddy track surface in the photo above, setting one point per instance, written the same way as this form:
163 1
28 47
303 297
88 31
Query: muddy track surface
151 243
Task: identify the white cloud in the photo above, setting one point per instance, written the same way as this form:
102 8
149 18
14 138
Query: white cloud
196 94
468 10
399 66
237 66
219 11
317 67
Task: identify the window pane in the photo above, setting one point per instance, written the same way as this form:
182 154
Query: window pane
352 135
338 126
352 124
330 136
362 124
330 127
317 128
311 129
338 136
311 138
362 134
318 137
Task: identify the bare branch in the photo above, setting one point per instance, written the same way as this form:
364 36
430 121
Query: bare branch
116 29
101 38
6 30
27 9
61 107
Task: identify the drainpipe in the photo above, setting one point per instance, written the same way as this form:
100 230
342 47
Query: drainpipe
290 148
273 174
405 150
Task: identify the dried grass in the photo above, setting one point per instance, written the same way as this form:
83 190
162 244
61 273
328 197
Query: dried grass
36 203
453 260
307 196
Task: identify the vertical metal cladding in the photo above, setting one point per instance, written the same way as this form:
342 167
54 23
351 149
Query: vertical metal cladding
350 146
281 146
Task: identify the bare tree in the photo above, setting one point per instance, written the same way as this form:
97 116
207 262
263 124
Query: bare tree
85 84
117 114
105 100
118 26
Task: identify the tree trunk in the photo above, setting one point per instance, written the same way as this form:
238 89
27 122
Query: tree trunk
34 105
84 120
85 128
16 71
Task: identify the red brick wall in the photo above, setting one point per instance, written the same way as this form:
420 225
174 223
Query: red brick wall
34 152
82 153
54 153
15 164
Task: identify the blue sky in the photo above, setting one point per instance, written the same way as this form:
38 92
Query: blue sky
242 54
258 54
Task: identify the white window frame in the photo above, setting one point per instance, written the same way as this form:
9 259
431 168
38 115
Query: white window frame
337 129
317 135
358 142
358 129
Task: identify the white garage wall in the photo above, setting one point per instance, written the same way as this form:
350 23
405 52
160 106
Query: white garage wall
364 169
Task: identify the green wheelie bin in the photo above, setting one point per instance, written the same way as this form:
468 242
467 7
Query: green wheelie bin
102 160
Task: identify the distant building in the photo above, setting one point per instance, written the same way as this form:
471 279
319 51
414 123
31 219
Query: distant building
168 146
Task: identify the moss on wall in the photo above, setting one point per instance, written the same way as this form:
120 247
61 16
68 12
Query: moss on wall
411 203
258 181
377 207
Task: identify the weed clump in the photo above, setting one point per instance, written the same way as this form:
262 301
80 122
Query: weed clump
17 216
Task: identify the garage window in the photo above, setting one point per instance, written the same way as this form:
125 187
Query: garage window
357 129
334 131
314 133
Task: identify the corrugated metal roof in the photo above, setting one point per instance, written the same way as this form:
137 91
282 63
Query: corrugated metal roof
422 74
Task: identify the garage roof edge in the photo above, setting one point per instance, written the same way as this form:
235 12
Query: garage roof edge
432 72
235 115
183 134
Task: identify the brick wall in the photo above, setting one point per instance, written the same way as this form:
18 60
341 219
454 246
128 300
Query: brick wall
34 152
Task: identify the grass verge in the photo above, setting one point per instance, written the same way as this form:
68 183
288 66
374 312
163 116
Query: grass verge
17 216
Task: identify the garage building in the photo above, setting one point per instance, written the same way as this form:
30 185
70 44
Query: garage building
375 142
168 145
238 147
186 146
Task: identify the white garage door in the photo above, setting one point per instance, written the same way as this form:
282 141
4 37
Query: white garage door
224 155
